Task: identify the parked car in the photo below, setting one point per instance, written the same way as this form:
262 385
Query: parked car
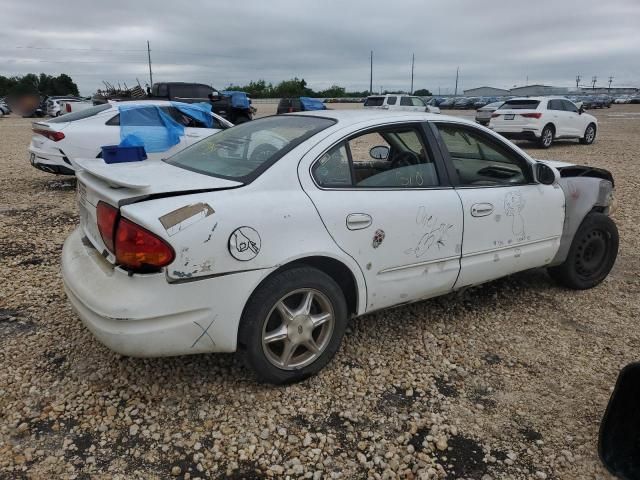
483 114
4 109
543 119
622 99
400 102
73 106
447 103
52 104
57 143
233 106
299 104
219 250
635 99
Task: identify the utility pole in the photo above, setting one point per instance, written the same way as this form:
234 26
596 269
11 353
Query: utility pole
457 73
610 80
413 59
594 79
578 78
149 56
371 76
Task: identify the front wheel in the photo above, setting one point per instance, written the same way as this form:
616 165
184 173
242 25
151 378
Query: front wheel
592 253
292 325
589 135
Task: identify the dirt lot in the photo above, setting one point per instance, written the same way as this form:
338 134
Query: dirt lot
508 380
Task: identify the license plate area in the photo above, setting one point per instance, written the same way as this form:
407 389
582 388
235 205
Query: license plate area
509 116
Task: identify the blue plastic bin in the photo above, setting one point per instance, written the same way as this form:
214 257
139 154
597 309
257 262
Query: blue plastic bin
121 154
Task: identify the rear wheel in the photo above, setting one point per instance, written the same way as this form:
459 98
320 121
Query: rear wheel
589 135
292 325
592 253
546 138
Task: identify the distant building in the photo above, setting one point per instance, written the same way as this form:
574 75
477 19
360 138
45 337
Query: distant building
611 91
538 90
486 92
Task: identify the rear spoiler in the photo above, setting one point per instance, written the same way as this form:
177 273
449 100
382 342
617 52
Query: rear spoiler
113 175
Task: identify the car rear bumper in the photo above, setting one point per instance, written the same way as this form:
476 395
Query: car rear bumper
50 161
516 133
145 315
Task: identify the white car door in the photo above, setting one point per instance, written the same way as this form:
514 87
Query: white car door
390 213
575 123
510 222
559 117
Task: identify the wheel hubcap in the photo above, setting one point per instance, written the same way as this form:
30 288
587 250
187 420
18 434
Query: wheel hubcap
590 134
548 136
592 254
298 329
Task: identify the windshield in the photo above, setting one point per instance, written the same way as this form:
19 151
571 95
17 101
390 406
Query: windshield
243 152
82 114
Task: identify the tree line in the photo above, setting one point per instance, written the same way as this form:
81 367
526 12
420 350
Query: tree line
298 88
42 84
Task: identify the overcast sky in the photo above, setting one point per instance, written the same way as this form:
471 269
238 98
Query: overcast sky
498 43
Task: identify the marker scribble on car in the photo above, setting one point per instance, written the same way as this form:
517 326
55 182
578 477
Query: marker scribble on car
244 244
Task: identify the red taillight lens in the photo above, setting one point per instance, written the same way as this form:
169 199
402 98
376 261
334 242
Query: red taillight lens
68 108
531 115
139 249
51 135
107 216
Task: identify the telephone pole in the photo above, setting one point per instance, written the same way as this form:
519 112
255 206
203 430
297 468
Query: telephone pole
578 78
149 56
610 81
457 74
413 59
371 76
594 79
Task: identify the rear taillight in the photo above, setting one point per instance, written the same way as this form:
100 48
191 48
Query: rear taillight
107 216
531 115
494 115
68 108
139 249
133 246
50 134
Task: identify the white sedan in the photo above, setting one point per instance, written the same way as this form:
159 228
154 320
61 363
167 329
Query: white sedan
543 120
58 142
246 243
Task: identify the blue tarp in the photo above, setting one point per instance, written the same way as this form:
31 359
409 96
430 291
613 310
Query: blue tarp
199 111
312 104
150 125
238 99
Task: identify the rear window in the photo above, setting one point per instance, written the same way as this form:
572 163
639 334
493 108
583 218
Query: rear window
190 91
520 105
243 152
72 117
374 101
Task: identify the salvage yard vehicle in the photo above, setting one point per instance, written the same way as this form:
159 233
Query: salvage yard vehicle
73 106
543 120
483 114
58 142
405 103
245 243
299 104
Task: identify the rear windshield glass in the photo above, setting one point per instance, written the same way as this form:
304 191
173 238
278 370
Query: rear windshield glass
243 152
72 117
374 102
520 105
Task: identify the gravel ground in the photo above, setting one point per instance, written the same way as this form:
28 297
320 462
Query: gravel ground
507 380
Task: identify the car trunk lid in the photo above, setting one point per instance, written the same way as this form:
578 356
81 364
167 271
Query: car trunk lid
126 183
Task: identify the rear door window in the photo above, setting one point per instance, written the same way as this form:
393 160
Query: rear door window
569 106
391 100
555 105
406 102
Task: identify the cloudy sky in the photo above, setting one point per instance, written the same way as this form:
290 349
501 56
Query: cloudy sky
499 43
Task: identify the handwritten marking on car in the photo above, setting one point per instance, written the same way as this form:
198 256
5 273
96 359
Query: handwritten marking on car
205 331
513 205
178 220
244 244
378 238
211 234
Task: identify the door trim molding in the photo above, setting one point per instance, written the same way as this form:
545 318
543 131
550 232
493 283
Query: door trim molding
418 264
507 247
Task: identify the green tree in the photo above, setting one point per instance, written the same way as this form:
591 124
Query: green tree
334 91
423 92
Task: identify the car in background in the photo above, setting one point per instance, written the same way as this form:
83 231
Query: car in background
543 119
635 99
399 102
483 114
447 103
58 142
4 108
622 99
213 250
52 106
299 104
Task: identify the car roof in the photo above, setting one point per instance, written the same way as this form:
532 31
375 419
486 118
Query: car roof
364 115
540 99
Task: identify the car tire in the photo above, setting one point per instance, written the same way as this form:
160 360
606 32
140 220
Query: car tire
280 324
592 253
589 135
546 137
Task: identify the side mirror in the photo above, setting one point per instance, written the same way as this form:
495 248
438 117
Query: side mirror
619 440
546 175
381 152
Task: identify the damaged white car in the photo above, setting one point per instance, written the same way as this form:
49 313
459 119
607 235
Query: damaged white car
58 142
267 237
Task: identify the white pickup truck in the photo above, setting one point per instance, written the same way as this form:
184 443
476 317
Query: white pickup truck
406 103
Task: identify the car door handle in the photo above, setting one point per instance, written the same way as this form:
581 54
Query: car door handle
481 209
358 221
